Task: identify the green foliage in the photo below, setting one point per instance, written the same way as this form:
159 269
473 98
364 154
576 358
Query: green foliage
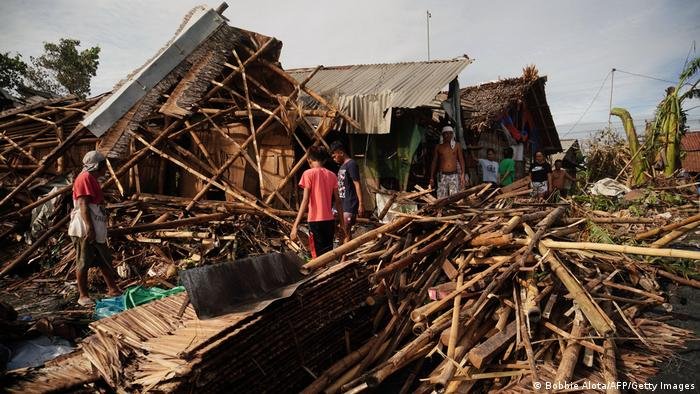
598 234
11 71
665 133
685 268
597 203
63 69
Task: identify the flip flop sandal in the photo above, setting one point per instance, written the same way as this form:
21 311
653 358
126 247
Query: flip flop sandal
86 303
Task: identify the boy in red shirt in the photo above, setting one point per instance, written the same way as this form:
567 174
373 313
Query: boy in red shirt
320 188
88 227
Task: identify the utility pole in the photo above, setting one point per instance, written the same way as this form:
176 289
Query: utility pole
427 22
612 85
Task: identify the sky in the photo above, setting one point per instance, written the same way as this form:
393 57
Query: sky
574 43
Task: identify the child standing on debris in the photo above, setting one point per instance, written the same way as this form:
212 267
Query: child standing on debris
320 188
559 178
88 227
506 168
349 188
489 168
540 176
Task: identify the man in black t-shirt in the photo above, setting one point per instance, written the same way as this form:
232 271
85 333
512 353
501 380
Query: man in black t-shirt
540 176
349 187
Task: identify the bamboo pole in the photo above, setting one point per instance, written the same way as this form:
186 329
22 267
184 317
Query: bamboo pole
354 243
454 328
676 253
326 128
668 227
120 188
45 162
251 123
610 367
525 336
36 245
226 190
569 357
421 314
406 261
338 368
673 235
387 206
678 279
201 193
136 157
19 148
595 315
141 228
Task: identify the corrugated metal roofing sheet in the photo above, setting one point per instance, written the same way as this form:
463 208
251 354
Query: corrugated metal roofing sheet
367 91
565 145
691 147
197 29
691 141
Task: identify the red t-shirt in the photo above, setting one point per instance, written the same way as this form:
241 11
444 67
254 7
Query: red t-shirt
86 185
321 183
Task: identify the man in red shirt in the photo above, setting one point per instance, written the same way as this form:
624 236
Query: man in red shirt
320 188
88 227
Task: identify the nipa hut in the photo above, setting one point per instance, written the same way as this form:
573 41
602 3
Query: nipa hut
509 113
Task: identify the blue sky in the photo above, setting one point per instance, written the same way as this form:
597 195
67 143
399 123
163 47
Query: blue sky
574 43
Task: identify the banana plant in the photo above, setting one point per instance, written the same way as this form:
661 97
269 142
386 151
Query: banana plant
669 125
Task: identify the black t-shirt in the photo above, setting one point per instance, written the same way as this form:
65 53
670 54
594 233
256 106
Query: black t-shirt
538 172
349 172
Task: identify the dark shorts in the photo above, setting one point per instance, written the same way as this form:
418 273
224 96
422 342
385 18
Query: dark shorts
91 254
321 239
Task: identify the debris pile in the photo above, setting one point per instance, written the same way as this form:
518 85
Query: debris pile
163 346
489 294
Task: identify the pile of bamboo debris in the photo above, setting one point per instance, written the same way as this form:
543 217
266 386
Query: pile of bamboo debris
477 292
223 124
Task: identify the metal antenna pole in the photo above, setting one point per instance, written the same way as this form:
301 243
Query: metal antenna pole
612 85
427 21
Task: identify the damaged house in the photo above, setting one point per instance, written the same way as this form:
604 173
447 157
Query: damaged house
509 113
395 107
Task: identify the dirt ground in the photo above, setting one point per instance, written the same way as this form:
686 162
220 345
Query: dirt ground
685 368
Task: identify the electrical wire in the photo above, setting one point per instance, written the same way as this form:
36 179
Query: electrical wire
646 76
589 105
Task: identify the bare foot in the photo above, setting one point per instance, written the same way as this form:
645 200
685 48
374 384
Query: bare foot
114 293
86 302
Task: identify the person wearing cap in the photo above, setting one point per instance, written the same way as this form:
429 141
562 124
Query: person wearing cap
448 158
88 227
349 188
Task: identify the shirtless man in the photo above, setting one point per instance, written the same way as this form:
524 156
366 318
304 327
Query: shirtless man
451 164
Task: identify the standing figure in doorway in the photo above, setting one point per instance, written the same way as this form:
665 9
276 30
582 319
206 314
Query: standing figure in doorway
349 188
448 158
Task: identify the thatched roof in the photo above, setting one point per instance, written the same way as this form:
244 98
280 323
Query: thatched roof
484 105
